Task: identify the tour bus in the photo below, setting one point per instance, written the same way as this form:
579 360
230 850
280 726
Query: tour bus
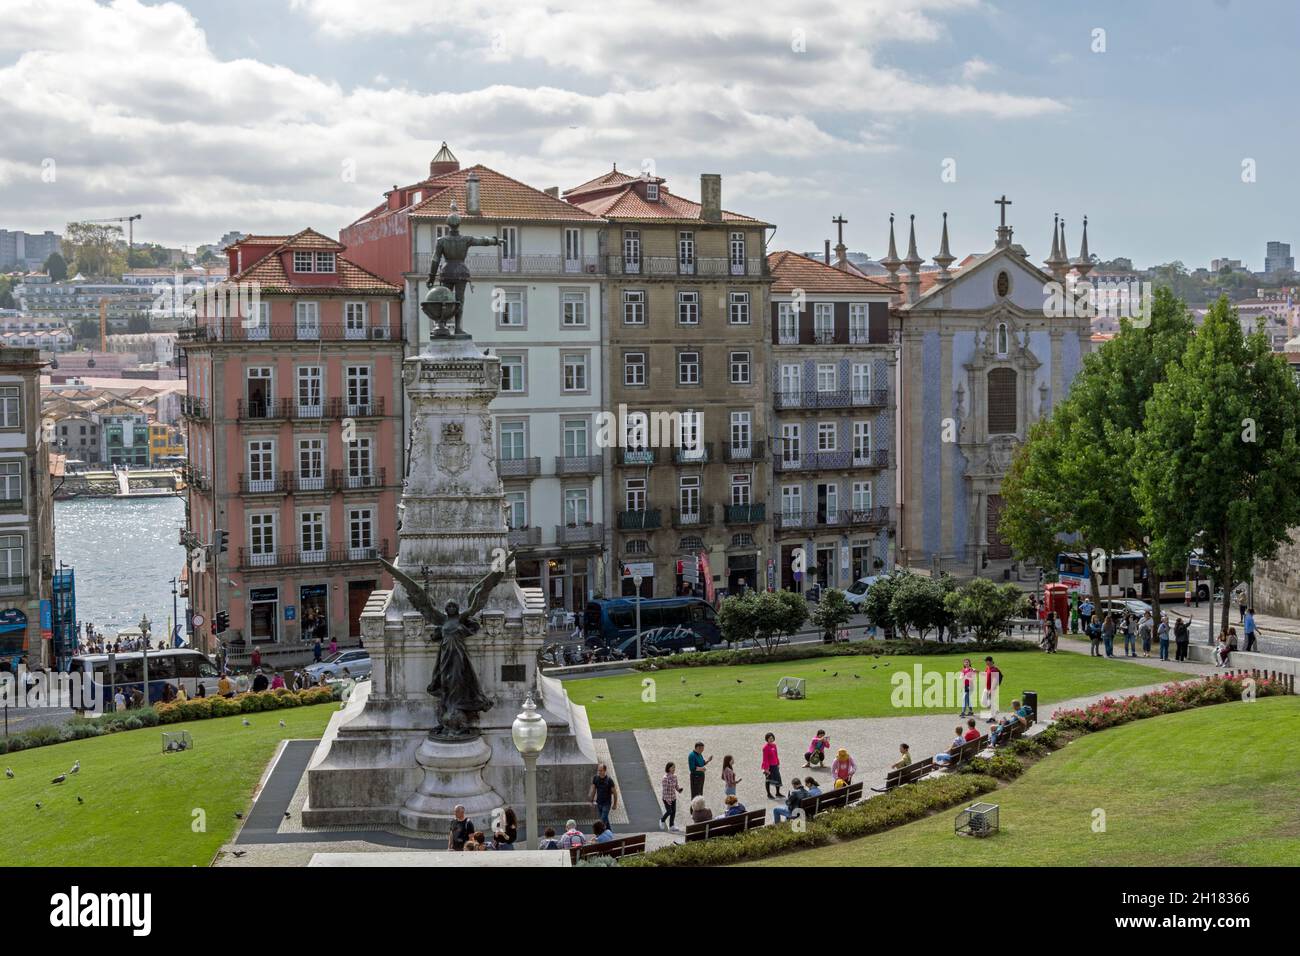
1126 572
182 668
610 622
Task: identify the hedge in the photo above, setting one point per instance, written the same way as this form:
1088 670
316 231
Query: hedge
198 708
1002 766
799 652
1111 712
884 812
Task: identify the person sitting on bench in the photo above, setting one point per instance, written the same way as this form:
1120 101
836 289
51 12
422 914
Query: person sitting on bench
1019 715
903 761
946 758
1221 651
816 754
813 789
972 732
791 808
734 807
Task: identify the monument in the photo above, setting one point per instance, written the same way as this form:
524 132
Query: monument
431 729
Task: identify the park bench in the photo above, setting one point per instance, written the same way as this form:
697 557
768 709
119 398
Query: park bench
905 775
1011 732
831 799
726 826
624 846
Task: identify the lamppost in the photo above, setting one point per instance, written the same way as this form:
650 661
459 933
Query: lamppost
175 622
529 734
145 624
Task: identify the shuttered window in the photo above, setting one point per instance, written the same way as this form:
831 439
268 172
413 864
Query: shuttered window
1002 401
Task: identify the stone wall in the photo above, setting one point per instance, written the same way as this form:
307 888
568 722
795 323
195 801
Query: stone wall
1277 582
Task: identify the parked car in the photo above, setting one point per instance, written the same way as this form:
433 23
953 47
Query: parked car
1120 605
356 662
857 592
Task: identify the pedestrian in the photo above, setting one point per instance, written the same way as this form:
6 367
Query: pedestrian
1144 631
734 807
904 758
992 681
843 767
260 683
696 762
316 651
967 682
509 830
1250 627
816 753
1240 594
1182 637
1130 636
669 790
1093 630
277 681
334 646
771 766
1108 633
1048 642
604 792
462 829
119 701
729 778
791 809
548 841
256 659
1163 634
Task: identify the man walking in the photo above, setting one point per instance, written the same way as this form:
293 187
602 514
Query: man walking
604 793
1252 629
967 683
992 681
1085 613
696 763
1144 632
1163 634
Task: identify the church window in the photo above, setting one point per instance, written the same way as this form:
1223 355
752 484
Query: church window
1004 284
1002 338
1002 401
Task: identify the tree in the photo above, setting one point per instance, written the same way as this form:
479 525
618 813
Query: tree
833 611
879 598
137 323
56 267
918 602
984 607
765 617
1219 460
96 249
7 284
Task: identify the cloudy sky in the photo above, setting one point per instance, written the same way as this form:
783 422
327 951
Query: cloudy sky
270 115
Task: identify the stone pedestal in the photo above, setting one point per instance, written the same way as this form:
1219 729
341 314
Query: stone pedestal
453 776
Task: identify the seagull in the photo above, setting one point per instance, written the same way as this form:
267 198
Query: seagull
9 773
282 723
76 767
60 778
247 723
286 814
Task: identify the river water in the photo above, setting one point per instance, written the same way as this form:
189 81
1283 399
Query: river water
125 552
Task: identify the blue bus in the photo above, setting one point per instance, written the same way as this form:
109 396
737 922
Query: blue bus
609 623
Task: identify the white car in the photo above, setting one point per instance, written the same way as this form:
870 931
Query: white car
857 592
356 662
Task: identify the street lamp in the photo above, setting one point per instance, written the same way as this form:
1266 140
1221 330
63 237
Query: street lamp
529 734
144 635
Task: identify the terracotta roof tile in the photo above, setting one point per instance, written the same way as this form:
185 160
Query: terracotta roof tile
604 181
270 274
626 204
792 271
500 197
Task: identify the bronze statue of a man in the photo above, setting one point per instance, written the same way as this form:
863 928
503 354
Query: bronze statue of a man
451 250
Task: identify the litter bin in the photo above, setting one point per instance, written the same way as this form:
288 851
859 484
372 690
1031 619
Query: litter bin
1030 699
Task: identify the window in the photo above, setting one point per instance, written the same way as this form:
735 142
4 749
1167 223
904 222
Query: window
738 308
261 465
361 533
652 192
509 249
354 320
737 251
357 382
787 324
516 510
688 499
13 567
690 431
638 546
688 308
311 535
513 371
258 325
261 539
303 261
11 407
573 310
575 373
862 496
310 397
577 506
739 368
826 436
688 368
311 464
742 489
686 252
11 480
1002 401
631 250
572 250
741 434
634 308
514 441
858 326
1004 284
324 262
792 500
575 439
824 322
828 503
361 458
861 442
509 305
860 381
1002 339
307 317
790 444
826 377
634 368
634 494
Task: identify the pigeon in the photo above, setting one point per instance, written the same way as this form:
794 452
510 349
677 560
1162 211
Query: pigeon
38 805
60 778
9 773
79 800
873 667
282 723
739 681
836 674
238 853
76 767
238 815
286 814
856 677
600 696
699 695
247 722
683 680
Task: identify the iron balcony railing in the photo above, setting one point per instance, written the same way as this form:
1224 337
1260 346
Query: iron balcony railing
193 407
638 456
520 537
344 480
578 464
522 265
679 266
830 460
273 485
697 454
755 450
205 332
642 520
249 560
745 514
264 410
519 467
839 518
586 533
833 398
700 516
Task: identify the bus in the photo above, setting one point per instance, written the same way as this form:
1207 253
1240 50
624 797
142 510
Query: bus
609 622
1127 574
182 668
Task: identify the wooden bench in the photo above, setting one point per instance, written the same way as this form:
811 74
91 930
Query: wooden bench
726 826
831 799
624 846
1011 732
905 775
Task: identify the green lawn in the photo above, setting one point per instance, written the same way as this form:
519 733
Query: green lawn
712 695
1214 786
139 802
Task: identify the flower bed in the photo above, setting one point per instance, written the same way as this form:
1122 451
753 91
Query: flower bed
1111 712
799 652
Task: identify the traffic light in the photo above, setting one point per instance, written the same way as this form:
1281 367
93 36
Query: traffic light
222 541
222 622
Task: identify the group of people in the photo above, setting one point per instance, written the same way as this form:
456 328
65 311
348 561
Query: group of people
257 681
464 836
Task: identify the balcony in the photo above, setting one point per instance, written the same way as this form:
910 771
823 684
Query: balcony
638 456
824 337
578 464
265 410
195 478
207 332
672 266
524 537
298 557
13 583
744 514
481 265
699 454
873 458
342 408
274 485
193 407
519 467
586 533
755 450
866 517
815 461
839 518
301 483
787 338
701 516
643 520
834 398
342 480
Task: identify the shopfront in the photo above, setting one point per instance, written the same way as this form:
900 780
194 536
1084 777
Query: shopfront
313 612
263 614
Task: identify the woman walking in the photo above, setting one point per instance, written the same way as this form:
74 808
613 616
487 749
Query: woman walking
729 778
771 767
669 791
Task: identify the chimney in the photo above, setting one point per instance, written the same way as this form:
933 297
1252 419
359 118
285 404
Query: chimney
711 197
553 192
394 197
472 207
826 256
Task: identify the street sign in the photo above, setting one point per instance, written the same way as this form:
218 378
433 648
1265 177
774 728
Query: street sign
636 579
199 620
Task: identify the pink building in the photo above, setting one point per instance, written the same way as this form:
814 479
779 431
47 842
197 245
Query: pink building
294 413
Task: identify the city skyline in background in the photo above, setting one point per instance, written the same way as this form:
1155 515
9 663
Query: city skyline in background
302 111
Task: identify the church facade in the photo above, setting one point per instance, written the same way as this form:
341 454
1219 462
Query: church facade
983 357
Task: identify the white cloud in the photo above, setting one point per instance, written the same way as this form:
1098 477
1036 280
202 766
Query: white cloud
976 67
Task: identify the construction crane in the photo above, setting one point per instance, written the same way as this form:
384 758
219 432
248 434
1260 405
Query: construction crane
130 232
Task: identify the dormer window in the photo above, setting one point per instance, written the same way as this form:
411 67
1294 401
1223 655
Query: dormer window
313 261
652 192
303 262
324 262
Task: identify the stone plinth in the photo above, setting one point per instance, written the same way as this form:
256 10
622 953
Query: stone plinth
453 776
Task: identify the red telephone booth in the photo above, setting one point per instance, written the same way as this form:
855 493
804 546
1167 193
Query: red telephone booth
1057 600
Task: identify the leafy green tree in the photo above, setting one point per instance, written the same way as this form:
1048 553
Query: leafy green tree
56 267
767 618
96 249
832 612
985 608
918 602
7 284
1219 461
880 596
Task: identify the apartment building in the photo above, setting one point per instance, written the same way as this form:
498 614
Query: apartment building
26 514
686 287
294 434
834 363
535 301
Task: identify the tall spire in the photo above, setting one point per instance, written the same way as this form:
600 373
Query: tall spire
945 258
913 264
891 262
1055 262
1084 263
